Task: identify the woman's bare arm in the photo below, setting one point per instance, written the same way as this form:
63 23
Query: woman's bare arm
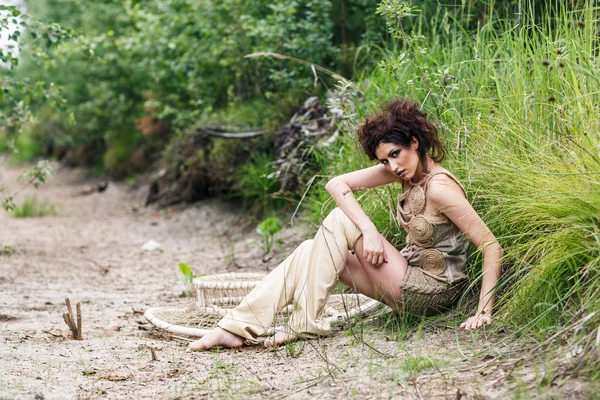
449 199
341 189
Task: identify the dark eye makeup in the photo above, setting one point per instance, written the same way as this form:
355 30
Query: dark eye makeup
393 154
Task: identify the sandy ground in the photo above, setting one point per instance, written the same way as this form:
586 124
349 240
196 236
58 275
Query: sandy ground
91 252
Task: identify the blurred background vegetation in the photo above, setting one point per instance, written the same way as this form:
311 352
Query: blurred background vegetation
118 86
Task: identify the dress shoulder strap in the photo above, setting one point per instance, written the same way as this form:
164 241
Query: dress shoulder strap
451 176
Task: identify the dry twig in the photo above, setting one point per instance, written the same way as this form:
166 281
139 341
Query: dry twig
69 319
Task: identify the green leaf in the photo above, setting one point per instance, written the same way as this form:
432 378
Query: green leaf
269 226
186 271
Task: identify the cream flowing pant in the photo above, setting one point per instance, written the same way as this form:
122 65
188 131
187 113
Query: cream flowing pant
304 279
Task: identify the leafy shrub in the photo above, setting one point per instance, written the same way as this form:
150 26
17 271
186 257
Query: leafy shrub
255 185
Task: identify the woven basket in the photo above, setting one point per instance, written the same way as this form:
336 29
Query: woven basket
216 294
224 290
196 321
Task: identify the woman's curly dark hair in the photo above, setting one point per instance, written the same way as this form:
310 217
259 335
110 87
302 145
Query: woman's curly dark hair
400 121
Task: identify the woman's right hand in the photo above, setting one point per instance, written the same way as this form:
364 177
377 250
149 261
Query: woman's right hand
373 248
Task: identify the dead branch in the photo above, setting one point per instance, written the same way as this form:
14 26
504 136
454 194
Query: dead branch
222 133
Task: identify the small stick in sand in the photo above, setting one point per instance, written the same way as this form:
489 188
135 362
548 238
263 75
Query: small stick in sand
70 320
79 332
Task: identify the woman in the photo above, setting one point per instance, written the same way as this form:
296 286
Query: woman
424 277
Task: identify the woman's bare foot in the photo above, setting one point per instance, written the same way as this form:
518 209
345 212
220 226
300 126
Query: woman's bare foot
280 338
216 337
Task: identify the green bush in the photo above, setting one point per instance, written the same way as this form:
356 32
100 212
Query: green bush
175 61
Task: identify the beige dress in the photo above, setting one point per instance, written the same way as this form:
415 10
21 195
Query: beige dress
436 253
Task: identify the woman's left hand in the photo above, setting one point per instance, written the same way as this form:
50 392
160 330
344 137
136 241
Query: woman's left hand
476 321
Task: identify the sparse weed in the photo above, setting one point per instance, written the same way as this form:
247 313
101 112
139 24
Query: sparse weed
30 207
7 250
417 363
225 381
229 253
294 348
268 229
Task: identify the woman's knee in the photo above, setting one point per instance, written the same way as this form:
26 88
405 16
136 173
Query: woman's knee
338 216
339 221
306 243
337 213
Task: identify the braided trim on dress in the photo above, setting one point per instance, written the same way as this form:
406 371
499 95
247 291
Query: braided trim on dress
421 231
432 261
416 200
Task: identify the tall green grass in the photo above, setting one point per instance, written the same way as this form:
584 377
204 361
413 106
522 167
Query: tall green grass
517 104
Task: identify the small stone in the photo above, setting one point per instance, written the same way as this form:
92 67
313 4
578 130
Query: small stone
151 245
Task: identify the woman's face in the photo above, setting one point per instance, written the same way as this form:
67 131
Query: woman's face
399 160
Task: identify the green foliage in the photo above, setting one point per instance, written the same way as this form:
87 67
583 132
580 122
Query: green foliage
155 59
294 348
38 174
225 381
395 12
31 207
17 94
7 250
186 271
26 148
267 229
188 278
256 184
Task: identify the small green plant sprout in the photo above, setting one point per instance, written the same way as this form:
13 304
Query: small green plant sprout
6 250
188 277
267 229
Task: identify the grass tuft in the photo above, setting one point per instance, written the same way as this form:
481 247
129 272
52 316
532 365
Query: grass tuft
31 207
